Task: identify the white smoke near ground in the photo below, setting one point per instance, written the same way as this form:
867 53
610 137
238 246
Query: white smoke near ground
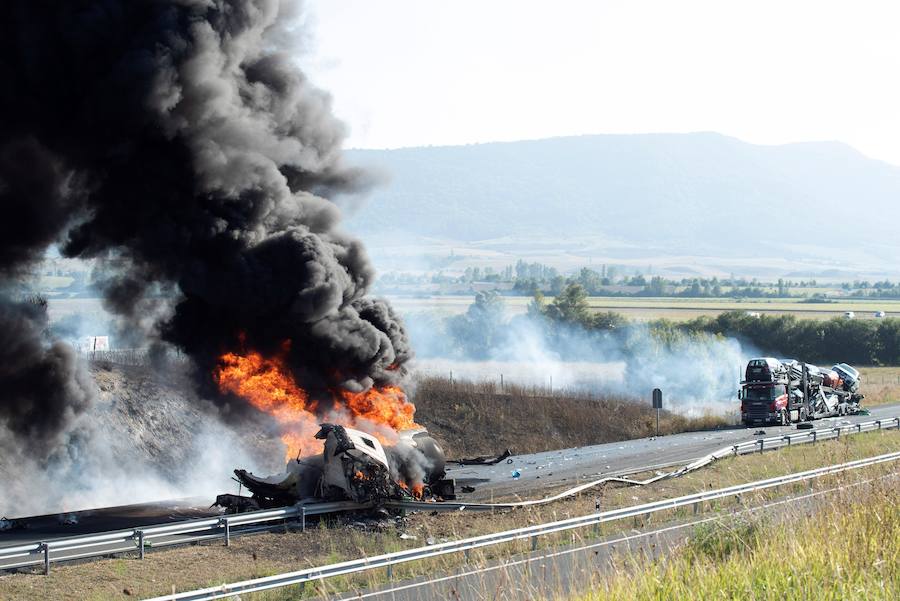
698 373
138 443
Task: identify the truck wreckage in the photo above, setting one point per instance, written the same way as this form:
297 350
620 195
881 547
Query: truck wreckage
789 391
353 466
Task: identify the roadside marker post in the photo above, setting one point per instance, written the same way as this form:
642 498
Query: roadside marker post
657 404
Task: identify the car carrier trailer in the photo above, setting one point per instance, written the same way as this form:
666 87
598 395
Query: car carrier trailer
789 391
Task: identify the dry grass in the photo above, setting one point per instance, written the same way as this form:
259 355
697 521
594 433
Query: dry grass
252 556
478 418
849 548
880 385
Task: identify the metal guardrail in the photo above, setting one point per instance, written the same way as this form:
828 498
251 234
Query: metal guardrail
774 442
139 539
529 532
744 448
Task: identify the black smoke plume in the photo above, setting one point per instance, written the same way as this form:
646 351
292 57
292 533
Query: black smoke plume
176 144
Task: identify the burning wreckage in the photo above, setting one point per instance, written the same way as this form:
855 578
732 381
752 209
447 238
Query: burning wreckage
353 466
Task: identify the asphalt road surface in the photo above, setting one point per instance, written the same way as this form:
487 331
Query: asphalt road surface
551 469
574 466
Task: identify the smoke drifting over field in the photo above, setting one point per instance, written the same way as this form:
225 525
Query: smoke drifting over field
696 372
176 145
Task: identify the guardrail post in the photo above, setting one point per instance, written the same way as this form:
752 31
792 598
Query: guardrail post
813 435
838 430
787 438
534 543
761 443
303 518
227 525
466 555
735 448
45 548
858 427
878 421
140 541
696 508
390 571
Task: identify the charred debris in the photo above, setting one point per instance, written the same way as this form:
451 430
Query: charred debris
353 466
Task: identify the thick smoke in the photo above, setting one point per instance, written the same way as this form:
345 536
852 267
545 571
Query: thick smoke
202 158
43 387
175 146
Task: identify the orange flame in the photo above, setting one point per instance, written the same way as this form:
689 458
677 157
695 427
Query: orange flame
269 385
417 490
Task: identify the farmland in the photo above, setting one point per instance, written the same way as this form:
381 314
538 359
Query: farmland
677 309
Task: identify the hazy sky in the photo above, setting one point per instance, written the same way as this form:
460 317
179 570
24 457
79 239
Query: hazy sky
420 72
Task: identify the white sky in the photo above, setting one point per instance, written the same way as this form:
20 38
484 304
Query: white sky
411 73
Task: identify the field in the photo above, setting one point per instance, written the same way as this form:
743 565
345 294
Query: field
642 309
678 309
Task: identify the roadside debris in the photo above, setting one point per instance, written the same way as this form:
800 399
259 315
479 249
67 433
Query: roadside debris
485 460
516 474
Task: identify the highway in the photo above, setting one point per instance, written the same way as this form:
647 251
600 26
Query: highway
572 466
537 472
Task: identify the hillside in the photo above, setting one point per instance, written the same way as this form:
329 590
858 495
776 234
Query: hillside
641 195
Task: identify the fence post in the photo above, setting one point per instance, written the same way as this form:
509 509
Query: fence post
140 534
45 547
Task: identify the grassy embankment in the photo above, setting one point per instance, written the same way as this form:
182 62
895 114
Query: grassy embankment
849 548
478 418
472 418
266 554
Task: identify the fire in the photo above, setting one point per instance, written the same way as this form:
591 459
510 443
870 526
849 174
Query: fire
386 405
417 490
268 384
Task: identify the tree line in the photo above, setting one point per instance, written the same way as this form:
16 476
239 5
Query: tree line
484 328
